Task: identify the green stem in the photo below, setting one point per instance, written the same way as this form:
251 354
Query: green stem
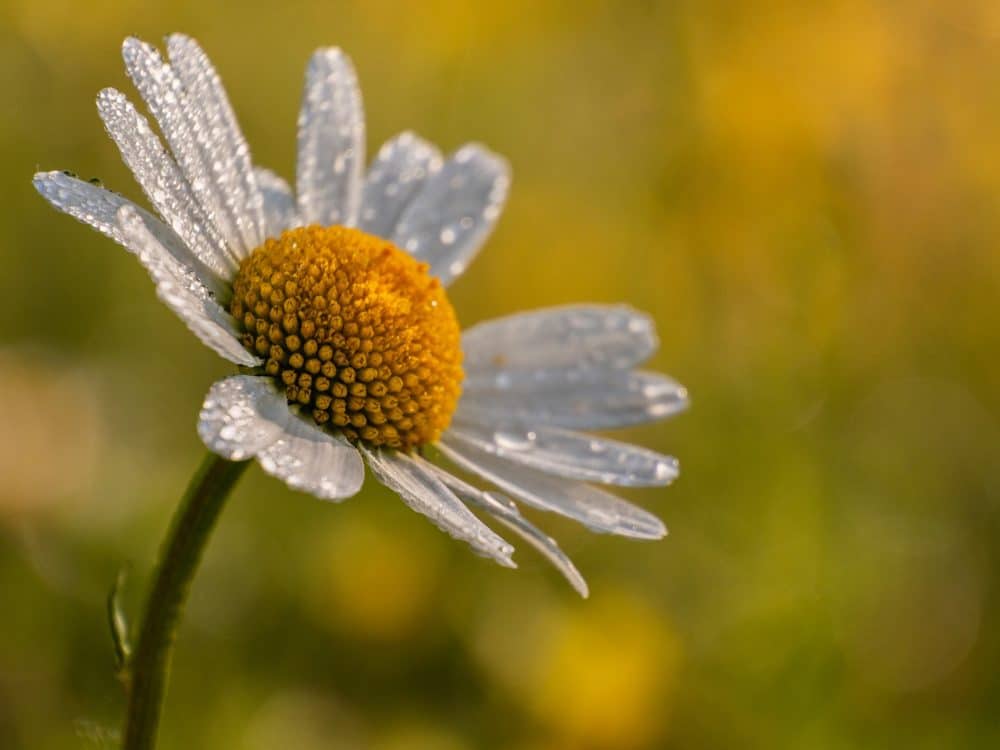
189 532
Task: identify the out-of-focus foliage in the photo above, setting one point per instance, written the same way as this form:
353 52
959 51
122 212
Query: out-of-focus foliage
806 196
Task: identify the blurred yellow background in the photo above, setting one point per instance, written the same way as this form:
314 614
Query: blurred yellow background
804 195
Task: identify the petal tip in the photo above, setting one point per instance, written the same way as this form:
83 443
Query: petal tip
180 38
667 471
647 527
331 56
506 561
108 95
131 45
41 180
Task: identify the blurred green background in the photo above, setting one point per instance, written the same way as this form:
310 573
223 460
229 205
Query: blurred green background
804 195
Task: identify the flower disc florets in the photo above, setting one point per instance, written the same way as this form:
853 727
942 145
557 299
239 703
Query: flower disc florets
355 330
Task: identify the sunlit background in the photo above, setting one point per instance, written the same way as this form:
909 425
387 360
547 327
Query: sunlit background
805 196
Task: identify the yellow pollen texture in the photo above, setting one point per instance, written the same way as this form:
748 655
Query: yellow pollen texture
356 331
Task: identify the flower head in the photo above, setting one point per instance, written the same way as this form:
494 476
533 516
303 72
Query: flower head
332 300
359 334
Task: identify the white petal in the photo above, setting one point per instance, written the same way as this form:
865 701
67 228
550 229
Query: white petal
455 211
279 203
241 416
180 290
422 491
313 460
186 133
596 509
223 139
97 207
505 511
331 142
570 454
161 180
87 202
533 347
245 416
605 399
398 172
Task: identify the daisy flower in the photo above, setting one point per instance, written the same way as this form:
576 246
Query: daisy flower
331 300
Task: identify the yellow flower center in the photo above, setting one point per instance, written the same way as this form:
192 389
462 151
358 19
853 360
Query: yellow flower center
355 330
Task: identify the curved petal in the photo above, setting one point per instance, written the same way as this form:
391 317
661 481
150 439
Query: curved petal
98 208
402 166
185 128
161 180
505 511
279 203
241 416
245 416
312 460
224 141
331 149
571 455
180 290
596 509
455 211
604 400
89 203
555 343
422 491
